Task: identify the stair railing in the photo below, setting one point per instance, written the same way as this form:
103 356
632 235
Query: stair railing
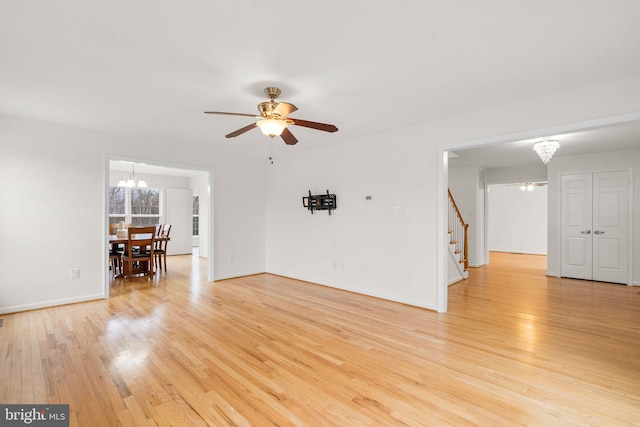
458 231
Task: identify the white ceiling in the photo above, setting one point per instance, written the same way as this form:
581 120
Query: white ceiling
149 69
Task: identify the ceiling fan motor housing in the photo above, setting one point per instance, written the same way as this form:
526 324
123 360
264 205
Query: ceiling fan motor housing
272 92
266 108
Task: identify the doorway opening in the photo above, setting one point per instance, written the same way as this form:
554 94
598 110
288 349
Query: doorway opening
174 185
443 181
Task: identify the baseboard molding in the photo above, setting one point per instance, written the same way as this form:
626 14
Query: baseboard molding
235 276
47 304
477 265
552 274
455 280
636 283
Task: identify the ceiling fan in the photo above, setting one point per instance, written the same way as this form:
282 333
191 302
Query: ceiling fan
273 120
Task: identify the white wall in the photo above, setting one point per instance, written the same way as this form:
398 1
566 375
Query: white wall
517 220
511 174
616 160
160 182
467 187
52 193
378 247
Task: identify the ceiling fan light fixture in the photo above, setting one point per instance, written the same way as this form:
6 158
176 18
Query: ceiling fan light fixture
546 149
272 127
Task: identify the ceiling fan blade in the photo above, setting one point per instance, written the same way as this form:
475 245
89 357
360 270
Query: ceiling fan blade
284 109
313 125
231 114
288 137
242 130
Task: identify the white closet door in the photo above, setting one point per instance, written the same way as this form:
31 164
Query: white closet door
595 226
179 213
576 257
610 194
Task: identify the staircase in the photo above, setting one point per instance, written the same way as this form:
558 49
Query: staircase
458 243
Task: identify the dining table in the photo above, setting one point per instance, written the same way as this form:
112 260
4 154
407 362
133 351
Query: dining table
115 241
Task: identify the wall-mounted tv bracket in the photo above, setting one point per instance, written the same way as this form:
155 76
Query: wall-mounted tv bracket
320 202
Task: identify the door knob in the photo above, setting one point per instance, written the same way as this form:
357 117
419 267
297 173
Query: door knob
587 232
598 232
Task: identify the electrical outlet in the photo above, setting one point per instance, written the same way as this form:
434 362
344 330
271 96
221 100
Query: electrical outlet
75 273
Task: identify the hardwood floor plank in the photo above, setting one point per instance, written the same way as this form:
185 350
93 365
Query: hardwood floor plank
515 348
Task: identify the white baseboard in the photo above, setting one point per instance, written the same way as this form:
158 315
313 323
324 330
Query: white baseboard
636 283
234 276
46 304
455 280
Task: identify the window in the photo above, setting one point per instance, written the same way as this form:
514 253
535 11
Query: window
145 206
135 206
196 215
117 205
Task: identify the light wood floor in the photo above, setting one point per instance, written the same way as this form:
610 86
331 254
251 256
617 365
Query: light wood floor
515 348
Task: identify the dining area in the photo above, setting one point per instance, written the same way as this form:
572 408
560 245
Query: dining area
138 251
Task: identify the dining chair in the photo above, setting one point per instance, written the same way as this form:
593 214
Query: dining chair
161 246
141 261
115 253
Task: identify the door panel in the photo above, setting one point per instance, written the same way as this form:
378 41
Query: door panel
610 194
608 253
576 255
179 213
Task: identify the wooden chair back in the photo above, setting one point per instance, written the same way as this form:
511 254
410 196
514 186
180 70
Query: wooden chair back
143 239
161 246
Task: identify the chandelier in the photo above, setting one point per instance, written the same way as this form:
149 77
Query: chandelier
546 149
132 181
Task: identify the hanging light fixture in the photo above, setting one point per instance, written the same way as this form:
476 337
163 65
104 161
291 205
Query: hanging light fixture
272 127
131 182
546 149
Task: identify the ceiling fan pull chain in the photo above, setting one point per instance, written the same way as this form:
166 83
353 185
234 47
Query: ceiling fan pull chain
271 150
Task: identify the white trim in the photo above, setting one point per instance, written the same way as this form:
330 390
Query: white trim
237 275
442 289
442 179
52 303
477 265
